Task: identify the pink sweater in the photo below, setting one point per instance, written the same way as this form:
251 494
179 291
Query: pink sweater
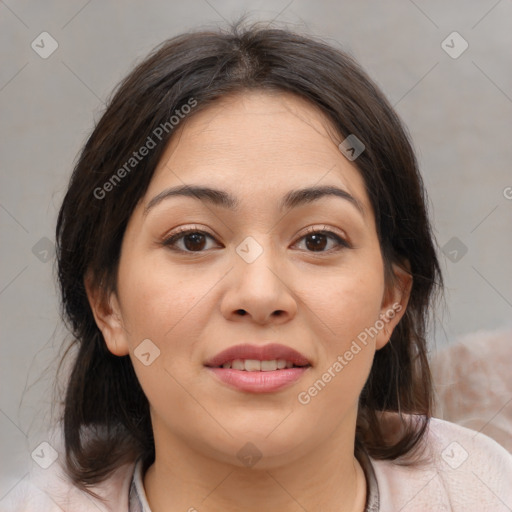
466 472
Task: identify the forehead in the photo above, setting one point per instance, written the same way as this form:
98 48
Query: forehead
276 123
258 144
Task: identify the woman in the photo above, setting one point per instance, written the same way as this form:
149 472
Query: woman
247 266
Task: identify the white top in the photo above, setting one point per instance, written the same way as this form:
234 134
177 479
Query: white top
464 471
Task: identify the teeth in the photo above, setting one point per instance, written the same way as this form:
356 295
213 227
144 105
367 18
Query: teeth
268 366
238 364
254 365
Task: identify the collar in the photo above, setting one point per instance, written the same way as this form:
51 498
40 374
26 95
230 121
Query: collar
138 501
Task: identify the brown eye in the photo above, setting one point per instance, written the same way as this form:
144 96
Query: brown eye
192 240
317 241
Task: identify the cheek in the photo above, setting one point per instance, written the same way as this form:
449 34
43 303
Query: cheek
167 307
168 310
158 302
347 307
348 301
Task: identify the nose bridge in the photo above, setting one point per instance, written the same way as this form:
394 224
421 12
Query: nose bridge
259 288
258 261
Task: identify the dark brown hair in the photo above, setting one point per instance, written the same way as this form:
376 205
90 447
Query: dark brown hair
106 417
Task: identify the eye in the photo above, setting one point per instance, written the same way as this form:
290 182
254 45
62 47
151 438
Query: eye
194 240
316 240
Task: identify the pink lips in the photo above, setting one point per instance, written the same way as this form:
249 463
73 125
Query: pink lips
262 353
258 381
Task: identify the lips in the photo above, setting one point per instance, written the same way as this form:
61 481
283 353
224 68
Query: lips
241 367
268 352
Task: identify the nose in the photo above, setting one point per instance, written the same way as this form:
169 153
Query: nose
259 291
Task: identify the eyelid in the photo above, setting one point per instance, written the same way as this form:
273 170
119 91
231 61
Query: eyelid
182 231
326 230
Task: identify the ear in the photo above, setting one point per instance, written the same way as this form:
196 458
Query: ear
394 302
108 318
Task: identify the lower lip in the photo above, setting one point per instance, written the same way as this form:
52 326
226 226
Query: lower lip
259 382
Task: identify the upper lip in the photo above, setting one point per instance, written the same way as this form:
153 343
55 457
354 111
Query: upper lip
259 352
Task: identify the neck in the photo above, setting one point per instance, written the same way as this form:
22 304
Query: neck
328 478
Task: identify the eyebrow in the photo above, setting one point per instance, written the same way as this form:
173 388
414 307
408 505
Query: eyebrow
291 199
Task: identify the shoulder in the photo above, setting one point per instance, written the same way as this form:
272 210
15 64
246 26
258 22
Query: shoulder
51 490
460 470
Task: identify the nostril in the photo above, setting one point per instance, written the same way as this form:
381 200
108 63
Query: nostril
241 312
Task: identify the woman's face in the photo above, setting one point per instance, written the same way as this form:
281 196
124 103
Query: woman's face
252 275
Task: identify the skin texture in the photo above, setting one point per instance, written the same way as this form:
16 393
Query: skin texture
257 146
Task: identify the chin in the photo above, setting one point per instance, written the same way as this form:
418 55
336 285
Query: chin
262 447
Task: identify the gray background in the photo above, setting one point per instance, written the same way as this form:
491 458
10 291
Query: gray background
459 113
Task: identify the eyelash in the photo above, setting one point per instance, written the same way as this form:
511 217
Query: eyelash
182 232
